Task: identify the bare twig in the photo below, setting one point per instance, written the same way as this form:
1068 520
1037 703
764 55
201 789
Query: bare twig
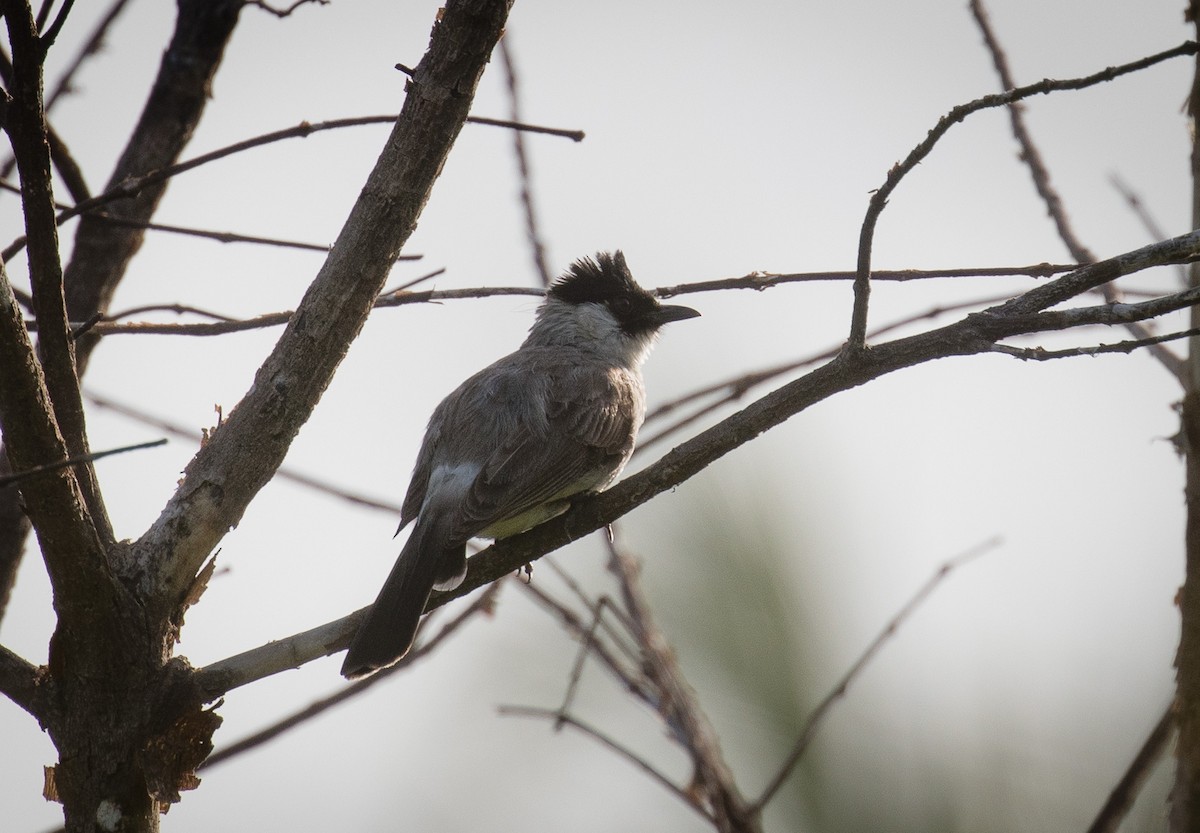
11 479
51 33
223 236
400 297
679 707
766 280
1042 354
284 473
1109 819
889 630
629 678
285 11
134 185
735 389
275 319
19 682
623 751
879 199
1144 216
537 248
573 135
1040 173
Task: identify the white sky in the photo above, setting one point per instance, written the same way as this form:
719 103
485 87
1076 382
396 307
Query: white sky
721 138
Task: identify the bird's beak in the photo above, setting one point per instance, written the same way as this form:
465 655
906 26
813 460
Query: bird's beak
667 313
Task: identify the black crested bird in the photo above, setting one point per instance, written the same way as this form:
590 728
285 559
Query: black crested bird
510 447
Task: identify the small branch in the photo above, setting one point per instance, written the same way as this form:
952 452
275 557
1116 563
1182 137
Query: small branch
879 199
1042 354
177 309
134 185
532 231
1153 229
735 389
573 135
11 479
222 236
394 298
275 319
90 47
1030 154
678 706
19 682
561 719
274 730
839 691
284 472
287 10
25 124
596 648
225 675
51 34
1109 819
1040 173
765 280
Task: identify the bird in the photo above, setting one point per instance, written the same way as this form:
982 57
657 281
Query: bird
512 445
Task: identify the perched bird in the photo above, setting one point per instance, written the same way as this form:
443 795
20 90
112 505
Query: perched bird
515 442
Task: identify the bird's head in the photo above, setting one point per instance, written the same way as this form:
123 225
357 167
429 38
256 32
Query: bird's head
597 304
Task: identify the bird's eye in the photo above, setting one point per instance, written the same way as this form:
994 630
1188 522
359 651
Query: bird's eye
620 305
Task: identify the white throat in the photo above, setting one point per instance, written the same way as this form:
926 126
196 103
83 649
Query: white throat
588 327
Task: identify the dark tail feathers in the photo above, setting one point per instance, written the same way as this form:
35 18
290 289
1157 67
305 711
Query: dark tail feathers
387 632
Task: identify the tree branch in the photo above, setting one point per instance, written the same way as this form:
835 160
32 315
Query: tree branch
19 682
1040 174
244 452
25 124
1109 819
101 252
879 199
483 603
976 333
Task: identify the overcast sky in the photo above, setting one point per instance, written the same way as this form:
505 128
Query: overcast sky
722 138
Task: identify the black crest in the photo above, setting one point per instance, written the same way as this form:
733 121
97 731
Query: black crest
607 280
596 281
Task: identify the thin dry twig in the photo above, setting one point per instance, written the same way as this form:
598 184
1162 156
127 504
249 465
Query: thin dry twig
224 236
284 473
17 477
399 296
734 389
1128 346
765 280
134 185
839 691
1040 173
1144 216
533 233
285 11
562 719
879 199
678 706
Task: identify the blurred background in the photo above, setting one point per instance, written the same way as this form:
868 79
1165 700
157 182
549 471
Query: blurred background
721 138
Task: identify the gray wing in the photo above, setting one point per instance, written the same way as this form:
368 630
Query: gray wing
564 429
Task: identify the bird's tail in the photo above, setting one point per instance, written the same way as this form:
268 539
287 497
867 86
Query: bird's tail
387 632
